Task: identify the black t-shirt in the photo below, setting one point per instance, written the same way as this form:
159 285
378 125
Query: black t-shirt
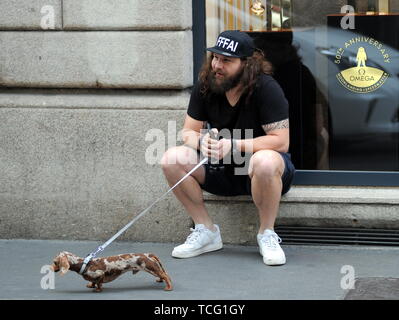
266 105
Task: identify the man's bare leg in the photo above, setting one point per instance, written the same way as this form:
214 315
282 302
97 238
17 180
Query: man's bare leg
265 170
177 162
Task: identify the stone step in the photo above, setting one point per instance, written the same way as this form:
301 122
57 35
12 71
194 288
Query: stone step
360 207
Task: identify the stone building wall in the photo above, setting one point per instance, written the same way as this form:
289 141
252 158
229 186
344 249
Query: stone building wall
83 83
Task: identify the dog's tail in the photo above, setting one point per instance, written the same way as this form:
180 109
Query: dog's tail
165 275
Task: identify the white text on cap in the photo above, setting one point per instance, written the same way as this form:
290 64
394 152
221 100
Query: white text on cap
231 44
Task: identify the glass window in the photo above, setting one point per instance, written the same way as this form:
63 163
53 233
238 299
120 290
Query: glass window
339 69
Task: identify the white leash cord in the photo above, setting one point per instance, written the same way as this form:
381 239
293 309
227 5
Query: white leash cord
102 247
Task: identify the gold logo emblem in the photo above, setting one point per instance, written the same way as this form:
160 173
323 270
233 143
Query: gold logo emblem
363 78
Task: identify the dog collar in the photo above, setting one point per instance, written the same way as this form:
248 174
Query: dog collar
85 263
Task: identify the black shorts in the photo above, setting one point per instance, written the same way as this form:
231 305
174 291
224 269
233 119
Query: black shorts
226 183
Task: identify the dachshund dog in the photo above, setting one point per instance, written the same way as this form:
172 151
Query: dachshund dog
102 270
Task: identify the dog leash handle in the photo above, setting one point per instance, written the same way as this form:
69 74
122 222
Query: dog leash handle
213 166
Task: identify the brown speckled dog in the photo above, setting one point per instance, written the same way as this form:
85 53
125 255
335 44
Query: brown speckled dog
102 270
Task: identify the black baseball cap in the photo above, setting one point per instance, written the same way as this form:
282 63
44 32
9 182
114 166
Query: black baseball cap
234 43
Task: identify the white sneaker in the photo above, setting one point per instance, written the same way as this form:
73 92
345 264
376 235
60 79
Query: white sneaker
270 249
200 240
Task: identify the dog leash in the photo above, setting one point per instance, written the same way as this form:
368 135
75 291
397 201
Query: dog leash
93 254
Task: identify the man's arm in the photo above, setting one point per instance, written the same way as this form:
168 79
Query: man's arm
191 132
277 138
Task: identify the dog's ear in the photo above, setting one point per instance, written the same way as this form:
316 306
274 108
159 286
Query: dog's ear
64 264
56 263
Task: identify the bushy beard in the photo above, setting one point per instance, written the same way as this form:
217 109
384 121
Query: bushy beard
220 87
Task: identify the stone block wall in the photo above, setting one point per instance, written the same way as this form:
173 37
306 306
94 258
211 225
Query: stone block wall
82 84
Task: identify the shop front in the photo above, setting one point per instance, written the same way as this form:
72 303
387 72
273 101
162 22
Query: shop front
338 65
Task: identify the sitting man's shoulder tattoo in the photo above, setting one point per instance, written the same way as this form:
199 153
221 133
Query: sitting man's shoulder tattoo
283 124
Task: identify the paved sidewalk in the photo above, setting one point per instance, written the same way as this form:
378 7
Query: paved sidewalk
236 272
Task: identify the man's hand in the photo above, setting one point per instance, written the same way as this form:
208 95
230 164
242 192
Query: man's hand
212 148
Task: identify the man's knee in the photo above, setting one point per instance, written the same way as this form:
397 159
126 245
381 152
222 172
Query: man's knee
266 164
177 156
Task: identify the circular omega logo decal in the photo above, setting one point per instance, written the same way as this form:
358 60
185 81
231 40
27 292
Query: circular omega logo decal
363 78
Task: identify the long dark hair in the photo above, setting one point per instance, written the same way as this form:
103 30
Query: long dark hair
254 66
